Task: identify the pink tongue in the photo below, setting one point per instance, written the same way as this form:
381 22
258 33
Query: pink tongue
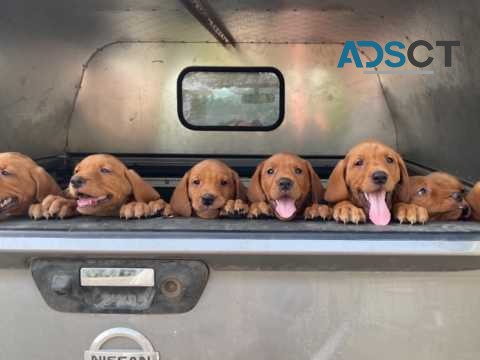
379 212
285 208
83 202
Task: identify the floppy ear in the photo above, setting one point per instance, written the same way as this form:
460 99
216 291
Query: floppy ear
240 190
255 192
337 189
317 189
415 183
45 184
141 190
180 202
402 191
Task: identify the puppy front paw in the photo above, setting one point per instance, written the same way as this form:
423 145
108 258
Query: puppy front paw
346 212
53 206
234 209
260 210
410 213
135 210
35 212
160 208
317 211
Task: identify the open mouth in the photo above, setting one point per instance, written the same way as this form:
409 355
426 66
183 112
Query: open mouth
285 207
378 210
85 201
8 203
466 212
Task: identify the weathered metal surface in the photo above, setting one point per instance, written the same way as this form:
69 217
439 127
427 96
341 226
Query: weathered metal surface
128 104
262 315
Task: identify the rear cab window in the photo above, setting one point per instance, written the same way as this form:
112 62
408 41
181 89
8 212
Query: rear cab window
231 98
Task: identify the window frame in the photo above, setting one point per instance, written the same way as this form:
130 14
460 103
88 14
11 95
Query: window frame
232 69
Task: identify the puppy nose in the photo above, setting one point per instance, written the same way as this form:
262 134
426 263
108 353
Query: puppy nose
77 182
208 199
285 184
380 177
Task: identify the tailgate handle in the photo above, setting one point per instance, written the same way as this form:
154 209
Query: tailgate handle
128 277
120 286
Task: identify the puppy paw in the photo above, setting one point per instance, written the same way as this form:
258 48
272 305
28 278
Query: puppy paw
234 209
410 213
135 210
160 208
35 212
260 210
53 206
168 211
317 211
346 212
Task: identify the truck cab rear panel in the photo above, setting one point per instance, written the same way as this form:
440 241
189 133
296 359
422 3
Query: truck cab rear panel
85 77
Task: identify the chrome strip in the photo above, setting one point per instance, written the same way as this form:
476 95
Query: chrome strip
234 246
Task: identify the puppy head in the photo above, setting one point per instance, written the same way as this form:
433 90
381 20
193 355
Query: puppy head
372 176
287 182
206 188
441 194
102 184
22 183
473 199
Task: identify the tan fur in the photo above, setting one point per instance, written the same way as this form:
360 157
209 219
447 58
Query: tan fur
349 181
441 194
473 199
307 189
23 180
127 194
209 177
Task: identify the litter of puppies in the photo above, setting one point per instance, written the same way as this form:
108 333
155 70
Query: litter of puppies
370 184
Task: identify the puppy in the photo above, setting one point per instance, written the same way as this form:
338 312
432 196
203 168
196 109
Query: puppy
209 190
441 194
22 184
473 199
285 186
103 186
371 180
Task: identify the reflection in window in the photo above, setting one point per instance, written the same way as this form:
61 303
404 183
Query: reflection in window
231 99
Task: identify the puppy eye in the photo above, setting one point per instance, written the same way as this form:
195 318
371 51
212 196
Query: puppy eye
270 171
359 162
224 182
421 192
196 182
389 159
105 170
457 196
5 173
298 171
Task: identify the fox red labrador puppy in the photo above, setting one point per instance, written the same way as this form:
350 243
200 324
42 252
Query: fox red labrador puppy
103 186
441 194
473 199
370 182
209 190
22 184
285 186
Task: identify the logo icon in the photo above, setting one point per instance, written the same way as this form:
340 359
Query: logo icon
146 353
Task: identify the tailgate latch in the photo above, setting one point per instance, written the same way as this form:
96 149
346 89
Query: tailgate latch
122 286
